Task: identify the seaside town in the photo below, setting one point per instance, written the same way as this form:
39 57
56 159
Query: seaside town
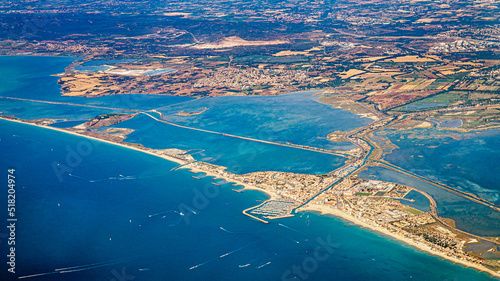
401 65
376 204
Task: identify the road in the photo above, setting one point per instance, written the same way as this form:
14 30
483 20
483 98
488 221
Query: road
323 151
435 215
463 194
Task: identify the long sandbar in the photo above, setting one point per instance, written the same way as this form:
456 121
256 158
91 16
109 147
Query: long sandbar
309 207
172 159
246 186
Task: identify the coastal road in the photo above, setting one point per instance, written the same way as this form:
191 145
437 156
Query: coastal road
318 150
463 194
435 215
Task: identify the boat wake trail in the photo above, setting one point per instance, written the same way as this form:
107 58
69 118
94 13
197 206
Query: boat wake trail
161 213
224 255
225 230
78 268
292 229
198 265
36 275
120 178
238 232
262 265
164 215
240 248
191 210
78 177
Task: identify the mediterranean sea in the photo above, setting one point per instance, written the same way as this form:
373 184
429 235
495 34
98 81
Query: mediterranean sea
94 211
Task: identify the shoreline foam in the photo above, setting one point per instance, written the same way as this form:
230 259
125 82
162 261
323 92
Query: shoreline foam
325 210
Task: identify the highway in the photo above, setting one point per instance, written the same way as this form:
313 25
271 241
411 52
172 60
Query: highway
463 194
435 215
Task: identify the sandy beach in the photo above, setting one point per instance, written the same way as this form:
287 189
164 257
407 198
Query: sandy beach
246 186
272 195
172 159
326 210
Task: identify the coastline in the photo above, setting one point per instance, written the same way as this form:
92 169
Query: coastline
322 209
171 159
188 166
246 186
325 210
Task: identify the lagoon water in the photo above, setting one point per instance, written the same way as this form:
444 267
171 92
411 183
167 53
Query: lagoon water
238 155
93 223
468 215
92 211
297 118
467 161
31 77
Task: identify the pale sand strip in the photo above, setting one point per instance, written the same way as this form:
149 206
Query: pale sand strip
172 159
272 195
325 210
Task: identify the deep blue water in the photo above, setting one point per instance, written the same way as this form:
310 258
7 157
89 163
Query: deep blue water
95 216
297 118
98 218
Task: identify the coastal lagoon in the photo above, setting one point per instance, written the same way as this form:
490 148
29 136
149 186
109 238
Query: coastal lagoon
33 78
297 118
93 211
238 155
468 215
464 160
117 212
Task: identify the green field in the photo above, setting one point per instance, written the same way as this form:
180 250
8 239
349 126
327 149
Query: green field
413 211
362 194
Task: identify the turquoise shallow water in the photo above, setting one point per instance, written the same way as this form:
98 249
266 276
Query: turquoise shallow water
468 215
95 221
238 155
297 118
468 161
